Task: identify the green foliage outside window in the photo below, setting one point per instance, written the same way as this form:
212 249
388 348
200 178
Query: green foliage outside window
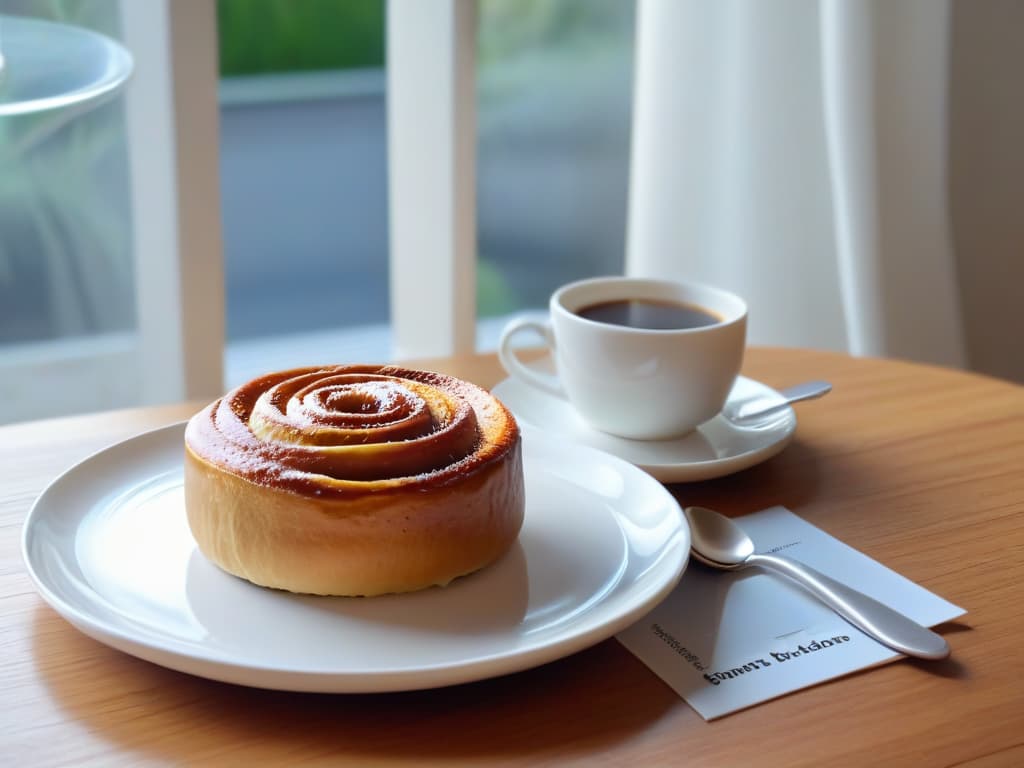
266 36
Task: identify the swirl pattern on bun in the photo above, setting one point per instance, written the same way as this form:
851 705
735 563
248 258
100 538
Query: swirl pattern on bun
354 480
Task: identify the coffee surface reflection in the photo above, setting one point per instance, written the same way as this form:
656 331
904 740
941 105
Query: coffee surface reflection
650 315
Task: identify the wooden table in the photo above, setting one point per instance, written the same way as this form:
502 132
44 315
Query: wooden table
919 467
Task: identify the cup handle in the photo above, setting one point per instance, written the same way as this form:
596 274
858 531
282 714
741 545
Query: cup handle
515 366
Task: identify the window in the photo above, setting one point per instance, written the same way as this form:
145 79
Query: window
304 182
555 90
304 168
303 171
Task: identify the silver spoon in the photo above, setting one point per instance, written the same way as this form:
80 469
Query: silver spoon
760 407
717 541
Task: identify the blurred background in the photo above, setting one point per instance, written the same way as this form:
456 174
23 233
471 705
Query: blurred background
303 172
304 180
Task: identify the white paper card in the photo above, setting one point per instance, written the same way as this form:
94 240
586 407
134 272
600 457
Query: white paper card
727 640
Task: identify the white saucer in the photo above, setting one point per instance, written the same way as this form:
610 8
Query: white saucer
716 448
109 547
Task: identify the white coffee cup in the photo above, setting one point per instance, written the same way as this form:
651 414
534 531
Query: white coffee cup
639 383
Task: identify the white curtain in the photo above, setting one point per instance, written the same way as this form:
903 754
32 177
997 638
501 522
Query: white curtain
797 152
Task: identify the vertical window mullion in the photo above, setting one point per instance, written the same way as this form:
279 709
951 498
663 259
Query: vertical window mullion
173 144
432 175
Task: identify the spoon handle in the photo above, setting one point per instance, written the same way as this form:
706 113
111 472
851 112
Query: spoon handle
881 622
762 407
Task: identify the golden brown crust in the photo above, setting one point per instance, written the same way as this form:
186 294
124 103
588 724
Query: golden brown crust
354 480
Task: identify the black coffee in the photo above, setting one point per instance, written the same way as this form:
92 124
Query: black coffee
649 314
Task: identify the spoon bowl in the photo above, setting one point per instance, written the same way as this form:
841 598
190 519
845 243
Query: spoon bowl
722 543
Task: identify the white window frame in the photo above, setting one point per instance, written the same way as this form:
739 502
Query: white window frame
173 133
431 69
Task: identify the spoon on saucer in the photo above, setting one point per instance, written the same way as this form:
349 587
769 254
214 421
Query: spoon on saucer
720 543
760 407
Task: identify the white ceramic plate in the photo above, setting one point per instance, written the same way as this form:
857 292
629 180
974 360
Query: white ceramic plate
715 449
108 547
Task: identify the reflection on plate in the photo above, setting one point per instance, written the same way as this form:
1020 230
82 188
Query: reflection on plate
108 547
716 448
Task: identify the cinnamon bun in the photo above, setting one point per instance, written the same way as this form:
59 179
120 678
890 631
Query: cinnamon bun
354 480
